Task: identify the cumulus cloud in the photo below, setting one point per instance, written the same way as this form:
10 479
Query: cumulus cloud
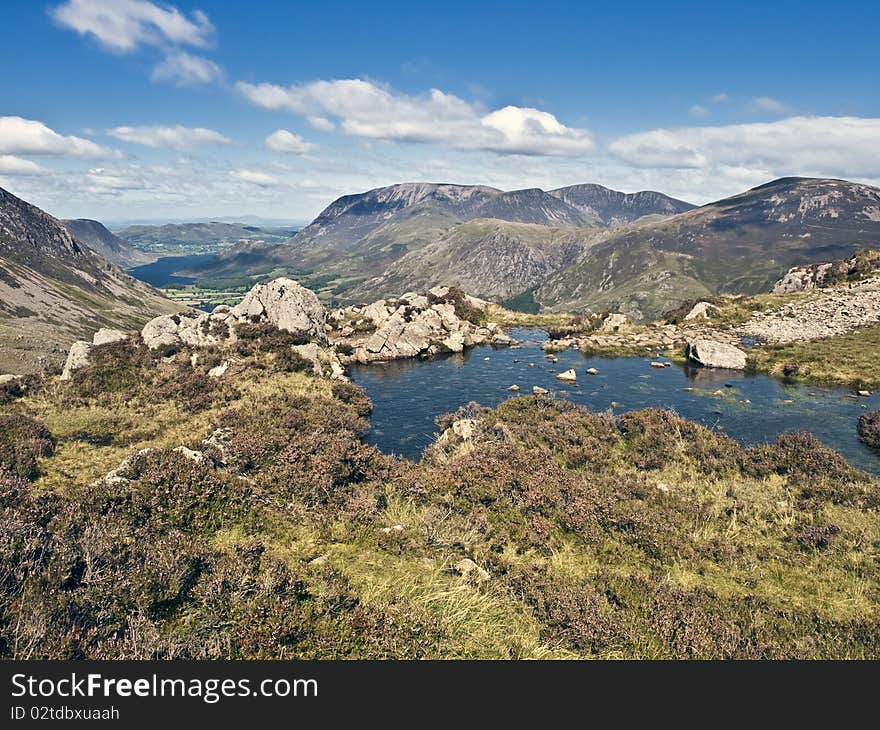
844 146
284 141
124 25
767 105
698 111
178 138
322 124
11 165
263 179
19 136
184 69
366 109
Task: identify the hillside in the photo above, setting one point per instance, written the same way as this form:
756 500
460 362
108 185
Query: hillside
105 243
493 259
741 244
54 290
171 513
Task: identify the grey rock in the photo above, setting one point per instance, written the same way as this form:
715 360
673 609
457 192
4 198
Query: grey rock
712 354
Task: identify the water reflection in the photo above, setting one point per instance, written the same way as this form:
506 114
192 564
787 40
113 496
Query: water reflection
408 395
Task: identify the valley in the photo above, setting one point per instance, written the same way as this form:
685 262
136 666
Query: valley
460 477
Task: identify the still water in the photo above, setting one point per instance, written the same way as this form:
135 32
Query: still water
163 271
408 395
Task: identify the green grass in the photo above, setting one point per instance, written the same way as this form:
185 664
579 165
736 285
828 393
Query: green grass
849 359
523 302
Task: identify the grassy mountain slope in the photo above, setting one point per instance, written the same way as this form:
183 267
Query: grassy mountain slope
741 244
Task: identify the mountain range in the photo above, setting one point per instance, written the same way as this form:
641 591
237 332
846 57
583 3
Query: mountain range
578 248
55 289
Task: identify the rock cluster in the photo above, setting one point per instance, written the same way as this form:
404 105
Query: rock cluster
831 312
409 326
282 302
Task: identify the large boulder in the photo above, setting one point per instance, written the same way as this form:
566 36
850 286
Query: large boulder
281 302
287 305
613 322
702 310
77 358
712 354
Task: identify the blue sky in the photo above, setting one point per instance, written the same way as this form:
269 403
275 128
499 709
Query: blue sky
118 109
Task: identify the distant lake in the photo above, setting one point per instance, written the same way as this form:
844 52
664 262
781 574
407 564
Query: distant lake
162 273
408 395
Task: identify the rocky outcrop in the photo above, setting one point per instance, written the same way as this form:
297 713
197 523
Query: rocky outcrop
712 354
282 302
78 357
817 276
411 325
287 305
827 313
613 322
702 310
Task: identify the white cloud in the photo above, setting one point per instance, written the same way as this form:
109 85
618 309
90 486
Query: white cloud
698 111
322 124
11 165
178 138
124 25
719 98
767 105
263 179
844 146
365 109
284 141
184 69
20 136
100 180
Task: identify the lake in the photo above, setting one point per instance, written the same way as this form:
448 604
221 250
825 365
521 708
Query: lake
408 395
162 272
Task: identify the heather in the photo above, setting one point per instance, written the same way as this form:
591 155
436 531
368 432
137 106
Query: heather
541 530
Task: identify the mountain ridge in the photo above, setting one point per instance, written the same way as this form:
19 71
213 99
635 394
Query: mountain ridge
55 289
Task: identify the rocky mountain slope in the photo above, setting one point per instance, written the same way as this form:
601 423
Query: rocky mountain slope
741 244
614 208
358 237
54 289
105 243
202 490
494 259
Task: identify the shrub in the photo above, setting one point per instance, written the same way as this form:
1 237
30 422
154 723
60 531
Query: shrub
290 361
352 395
463 307
265 337
869 429
22 442
657 438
